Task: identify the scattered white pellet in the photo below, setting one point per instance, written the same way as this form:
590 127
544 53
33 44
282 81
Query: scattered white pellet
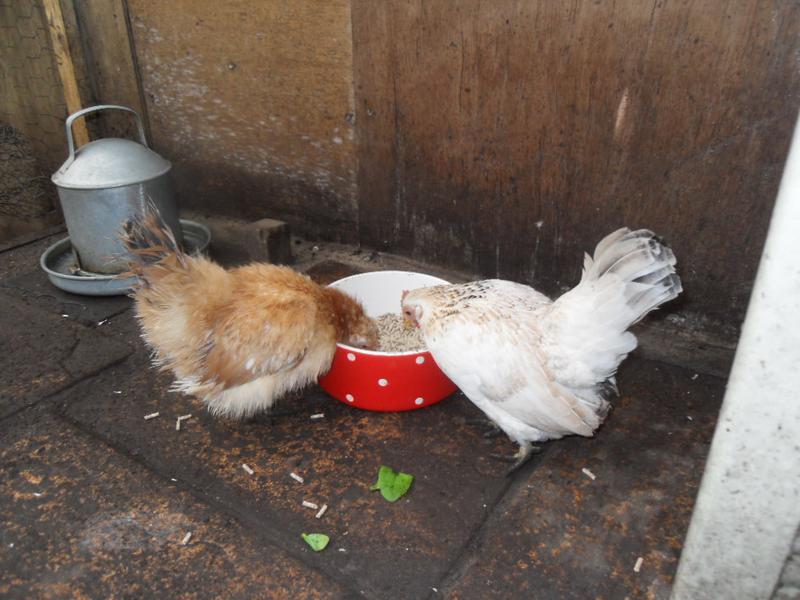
435 590
247 469
186 539
638 566
308 504
11 545
695 376
151 416
318 416
184 417
321 511
588 473
296 477
342 550
37 494
116 391
65 316
173 479
180 420
101 323
689 417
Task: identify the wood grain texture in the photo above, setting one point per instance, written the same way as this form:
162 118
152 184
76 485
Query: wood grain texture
32 113
111 65
508 137
66 68
31 94
253 103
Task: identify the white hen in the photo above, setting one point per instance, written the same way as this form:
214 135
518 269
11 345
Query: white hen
540 369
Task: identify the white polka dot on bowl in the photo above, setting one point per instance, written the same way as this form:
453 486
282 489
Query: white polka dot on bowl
349 397
420 360
383 382
419 401
351 357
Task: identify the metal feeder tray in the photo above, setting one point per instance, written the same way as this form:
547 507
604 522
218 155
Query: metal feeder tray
58 262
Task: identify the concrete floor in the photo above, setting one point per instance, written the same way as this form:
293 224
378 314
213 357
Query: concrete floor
95 501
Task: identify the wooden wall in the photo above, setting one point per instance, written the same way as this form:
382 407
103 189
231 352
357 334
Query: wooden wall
508 137
253 102
502 138
32 111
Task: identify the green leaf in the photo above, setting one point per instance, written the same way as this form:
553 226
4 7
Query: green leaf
317 541
393 485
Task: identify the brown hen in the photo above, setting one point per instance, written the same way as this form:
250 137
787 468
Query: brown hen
238 339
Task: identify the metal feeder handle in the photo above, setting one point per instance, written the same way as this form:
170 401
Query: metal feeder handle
71 119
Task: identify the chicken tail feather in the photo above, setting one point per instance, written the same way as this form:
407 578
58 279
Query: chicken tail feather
630 274
639 261
151 242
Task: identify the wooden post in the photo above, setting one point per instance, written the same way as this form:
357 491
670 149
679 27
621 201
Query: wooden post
66 69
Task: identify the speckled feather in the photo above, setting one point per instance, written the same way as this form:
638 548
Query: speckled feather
540 369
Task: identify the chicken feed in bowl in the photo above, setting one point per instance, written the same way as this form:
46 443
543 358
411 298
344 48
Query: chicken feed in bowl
402 374
397 336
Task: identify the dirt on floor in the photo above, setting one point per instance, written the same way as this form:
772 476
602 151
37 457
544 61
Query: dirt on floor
96 501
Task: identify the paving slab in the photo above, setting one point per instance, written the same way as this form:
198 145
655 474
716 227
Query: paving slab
464 530
21 277
561 534
385 549
34 236
42 352
81 521
35 288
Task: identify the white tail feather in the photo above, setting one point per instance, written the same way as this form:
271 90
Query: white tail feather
630 274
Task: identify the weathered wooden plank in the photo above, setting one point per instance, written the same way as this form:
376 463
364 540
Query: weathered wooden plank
508 137
253 103
32 112
66 68
111 61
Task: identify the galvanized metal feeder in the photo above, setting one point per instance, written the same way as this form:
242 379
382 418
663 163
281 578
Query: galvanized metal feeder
101 186
104 184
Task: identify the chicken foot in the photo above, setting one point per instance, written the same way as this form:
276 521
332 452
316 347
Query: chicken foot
523 455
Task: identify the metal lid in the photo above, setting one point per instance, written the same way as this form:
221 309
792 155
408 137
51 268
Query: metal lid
110 162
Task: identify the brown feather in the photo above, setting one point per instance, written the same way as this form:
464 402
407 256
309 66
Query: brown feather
240 338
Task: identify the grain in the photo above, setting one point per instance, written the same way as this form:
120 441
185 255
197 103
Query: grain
395 336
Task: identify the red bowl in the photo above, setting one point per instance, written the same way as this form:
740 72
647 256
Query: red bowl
385 381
